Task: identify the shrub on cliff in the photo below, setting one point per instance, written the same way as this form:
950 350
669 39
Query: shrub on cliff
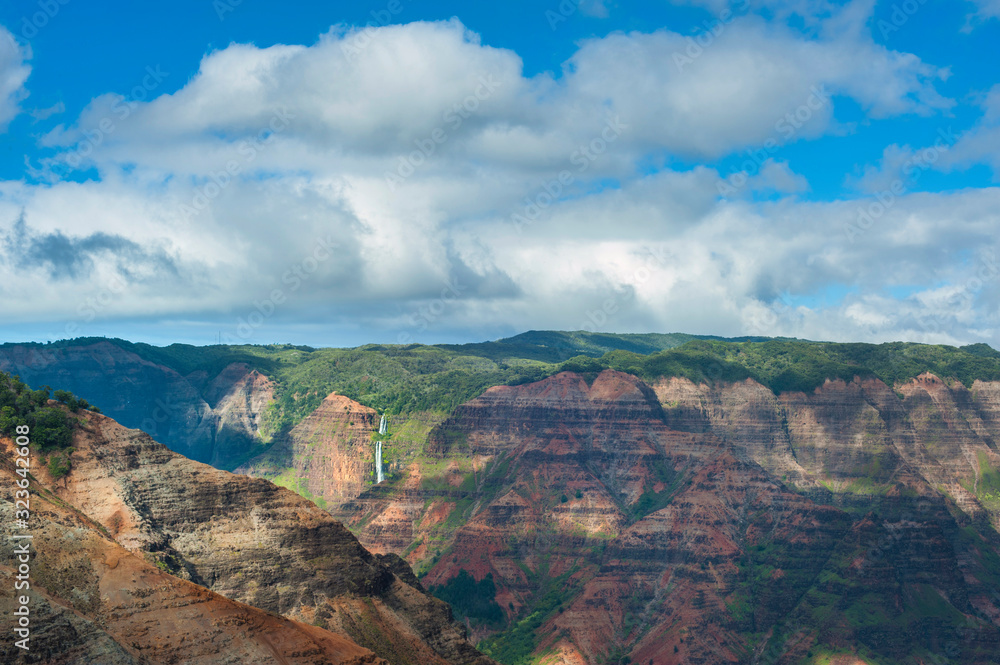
72 401
19 405
471 599
59 463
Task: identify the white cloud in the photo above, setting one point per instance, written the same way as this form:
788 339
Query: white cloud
778 177
985 10
314 130
44 114
895 161
13 73
980 144
684 95
378 93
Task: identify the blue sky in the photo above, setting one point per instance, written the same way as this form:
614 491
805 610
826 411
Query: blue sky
341 173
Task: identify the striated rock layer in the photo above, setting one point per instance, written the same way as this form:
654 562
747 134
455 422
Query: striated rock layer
328 456
212 419
252 542
683 523
93 601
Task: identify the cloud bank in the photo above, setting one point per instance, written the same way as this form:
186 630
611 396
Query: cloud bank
412 180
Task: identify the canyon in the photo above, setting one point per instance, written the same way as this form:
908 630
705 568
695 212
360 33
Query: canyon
210 416
696 524
161 559
664 519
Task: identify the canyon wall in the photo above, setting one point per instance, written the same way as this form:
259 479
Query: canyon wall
212 418
328 457
209 535
684 523
667 521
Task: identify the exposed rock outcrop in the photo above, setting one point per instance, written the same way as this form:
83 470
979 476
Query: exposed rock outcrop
212 419
255 543
685 523
328 456
93 601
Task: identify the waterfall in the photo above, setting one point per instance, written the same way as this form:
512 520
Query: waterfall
379 476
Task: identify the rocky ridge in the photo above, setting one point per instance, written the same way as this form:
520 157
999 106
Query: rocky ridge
249 541
328 457
212 418
92 600
709 524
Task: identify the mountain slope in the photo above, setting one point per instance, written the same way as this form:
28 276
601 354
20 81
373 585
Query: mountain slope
685 522
91 600
253 542
210 415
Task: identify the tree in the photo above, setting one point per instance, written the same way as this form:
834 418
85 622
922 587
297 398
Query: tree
50 428
9 420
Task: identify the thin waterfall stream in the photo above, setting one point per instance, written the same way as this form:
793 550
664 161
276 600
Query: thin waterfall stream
379 477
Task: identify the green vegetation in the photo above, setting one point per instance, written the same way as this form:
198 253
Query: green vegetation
289 480
20 405
796 365
50 427
471 599
515 645
650 501
394 379
988 487
415 378
59 462
73 402
886 618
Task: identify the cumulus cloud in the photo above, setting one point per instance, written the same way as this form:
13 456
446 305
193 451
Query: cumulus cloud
778 177
67 257
981 143
13 73
384 92
374 178
950 150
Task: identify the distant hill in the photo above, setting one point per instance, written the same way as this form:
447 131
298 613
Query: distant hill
193 398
